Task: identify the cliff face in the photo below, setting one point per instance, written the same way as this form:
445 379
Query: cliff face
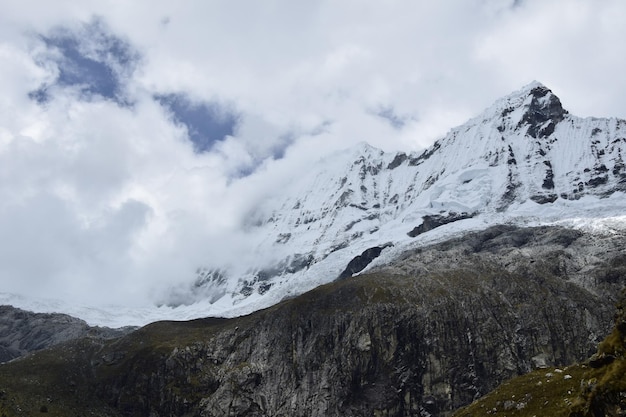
422 337
593 388
603 387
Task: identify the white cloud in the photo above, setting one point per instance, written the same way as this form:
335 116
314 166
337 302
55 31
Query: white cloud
573 47
97 198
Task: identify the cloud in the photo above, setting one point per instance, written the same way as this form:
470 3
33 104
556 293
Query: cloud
135 138
572 47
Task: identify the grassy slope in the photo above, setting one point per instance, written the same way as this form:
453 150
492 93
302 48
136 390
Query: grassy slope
544 392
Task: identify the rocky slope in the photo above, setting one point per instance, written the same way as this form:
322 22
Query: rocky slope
22 332
430 333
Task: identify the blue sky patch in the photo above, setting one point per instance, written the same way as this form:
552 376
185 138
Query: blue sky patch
206 122
91 59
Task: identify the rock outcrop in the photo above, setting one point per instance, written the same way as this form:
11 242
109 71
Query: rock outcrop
22 332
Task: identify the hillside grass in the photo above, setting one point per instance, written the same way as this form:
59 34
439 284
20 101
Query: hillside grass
546 392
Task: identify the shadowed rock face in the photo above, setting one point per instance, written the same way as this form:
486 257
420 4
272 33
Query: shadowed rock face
428 334
603 388
434 221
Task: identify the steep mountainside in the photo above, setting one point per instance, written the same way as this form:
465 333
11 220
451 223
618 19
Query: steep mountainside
435 330
524 158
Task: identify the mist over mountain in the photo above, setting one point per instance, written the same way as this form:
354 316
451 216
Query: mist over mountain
525 160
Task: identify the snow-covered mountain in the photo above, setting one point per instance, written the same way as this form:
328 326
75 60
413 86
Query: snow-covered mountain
525 151
525 159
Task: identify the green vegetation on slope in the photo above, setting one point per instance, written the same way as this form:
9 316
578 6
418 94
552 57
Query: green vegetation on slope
544 392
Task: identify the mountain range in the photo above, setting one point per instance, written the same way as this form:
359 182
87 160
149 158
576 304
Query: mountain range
385 284
523 160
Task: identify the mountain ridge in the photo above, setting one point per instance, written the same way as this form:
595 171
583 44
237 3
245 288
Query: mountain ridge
495 252
524 160
525 148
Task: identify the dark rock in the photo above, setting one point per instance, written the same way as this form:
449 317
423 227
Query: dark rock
594 182
358 263
600 360
600 169
602 387
264 287
414 161
563 237
543 113
544 198
398 160
497 237
548 181
432 222
283 238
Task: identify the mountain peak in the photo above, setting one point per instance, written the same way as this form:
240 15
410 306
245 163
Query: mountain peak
532 89
362 151
534 107
543 112
363 147
523 159
533 85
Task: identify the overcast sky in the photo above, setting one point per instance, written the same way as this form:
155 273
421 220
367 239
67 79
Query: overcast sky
135 136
